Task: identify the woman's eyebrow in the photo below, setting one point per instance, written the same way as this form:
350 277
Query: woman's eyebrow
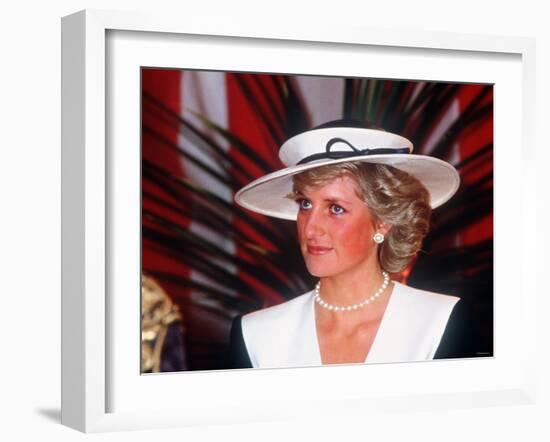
335 199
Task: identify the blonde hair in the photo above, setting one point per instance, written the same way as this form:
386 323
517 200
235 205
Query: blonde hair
392 196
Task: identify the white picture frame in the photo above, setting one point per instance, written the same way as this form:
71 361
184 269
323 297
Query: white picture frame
89 174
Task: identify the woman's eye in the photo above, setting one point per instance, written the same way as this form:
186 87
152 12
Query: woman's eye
304 204
336 209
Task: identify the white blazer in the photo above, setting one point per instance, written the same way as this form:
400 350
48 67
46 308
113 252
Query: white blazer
411 329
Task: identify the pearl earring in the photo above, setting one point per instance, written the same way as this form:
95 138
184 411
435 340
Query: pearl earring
378 238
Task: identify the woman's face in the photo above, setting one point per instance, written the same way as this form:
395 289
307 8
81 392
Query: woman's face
335 229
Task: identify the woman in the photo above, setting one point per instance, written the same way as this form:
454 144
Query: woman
362 203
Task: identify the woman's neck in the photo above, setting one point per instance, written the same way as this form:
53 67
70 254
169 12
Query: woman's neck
351 288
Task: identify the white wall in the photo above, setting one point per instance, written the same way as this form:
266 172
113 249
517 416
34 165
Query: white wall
30 216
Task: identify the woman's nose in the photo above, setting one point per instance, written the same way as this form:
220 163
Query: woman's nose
314 224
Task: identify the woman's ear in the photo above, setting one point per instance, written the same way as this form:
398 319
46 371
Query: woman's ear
383 228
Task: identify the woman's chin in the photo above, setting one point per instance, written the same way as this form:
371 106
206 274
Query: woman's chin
318 271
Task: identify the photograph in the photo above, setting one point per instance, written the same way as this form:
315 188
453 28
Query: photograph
312 220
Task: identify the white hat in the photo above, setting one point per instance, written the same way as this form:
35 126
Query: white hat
332 145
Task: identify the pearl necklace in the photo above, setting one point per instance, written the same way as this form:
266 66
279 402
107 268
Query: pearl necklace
348 308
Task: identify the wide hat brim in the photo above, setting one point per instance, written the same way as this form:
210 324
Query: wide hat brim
268 195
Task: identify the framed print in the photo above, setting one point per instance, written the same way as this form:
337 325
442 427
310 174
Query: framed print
136 115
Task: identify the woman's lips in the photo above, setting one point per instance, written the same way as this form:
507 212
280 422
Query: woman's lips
318 250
